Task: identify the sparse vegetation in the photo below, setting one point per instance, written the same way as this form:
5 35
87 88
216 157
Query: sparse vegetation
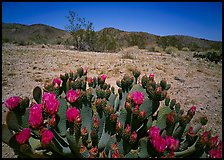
210 55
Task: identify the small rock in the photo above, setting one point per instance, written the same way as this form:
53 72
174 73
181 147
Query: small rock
178 79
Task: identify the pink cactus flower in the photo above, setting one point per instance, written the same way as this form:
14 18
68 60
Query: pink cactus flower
215 153
137 97
213 141
73 114
103 77
205 137
172 143
57 82
47 136
23 136
220 145
159 144
90 80
154 132
50 102
72 95
35 117
12 102
52 106
48 97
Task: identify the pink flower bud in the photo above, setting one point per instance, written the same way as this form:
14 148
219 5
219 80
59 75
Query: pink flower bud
84 131
93 151
127 132
159 144
95 123
73 114
116 154
142 114
170 118
12 102
154 132
151 76
128 98
191 111
35 117
72 95
23 136
172 143
118 126
128 106
103 77
90 81
133 137
52 121
137 97
57 82
113 117
47 136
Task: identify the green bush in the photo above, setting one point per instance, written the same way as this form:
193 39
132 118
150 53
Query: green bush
171 50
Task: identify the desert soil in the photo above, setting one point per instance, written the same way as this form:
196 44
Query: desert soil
193 82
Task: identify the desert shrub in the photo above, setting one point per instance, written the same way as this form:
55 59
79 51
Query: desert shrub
158 49
80 116
127 55
171 50
185 49
210 55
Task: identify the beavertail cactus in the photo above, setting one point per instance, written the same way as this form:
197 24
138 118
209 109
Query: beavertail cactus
80 116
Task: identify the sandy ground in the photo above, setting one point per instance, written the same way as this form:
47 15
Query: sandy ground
24 67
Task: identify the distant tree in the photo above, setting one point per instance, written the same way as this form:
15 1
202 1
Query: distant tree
81 30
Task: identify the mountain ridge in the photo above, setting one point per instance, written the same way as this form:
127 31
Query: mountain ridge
45 34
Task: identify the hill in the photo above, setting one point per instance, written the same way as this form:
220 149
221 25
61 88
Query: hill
107 39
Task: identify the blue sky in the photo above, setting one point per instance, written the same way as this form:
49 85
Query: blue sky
197 19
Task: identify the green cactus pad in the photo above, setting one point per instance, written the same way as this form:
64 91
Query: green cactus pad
146 106
138 88
37 94
116 103
143 147
62 114
74 145
86 116
103 140
35 143
6 134
132 154
161 119
111 141
25 118
12 121
122 116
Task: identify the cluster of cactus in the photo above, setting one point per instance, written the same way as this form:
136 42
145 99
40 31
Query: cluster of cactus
80 116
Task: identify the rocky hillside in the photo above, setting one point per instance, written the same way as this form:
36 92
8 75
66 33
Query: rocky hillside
108 38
